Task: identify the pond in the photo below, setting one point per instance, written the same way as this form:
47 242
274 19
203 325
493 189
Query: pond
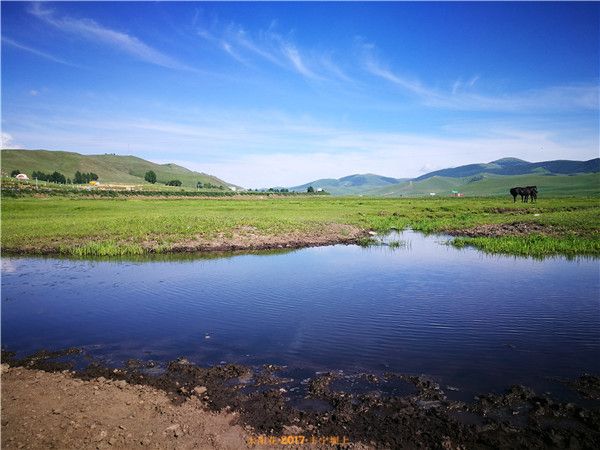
472 321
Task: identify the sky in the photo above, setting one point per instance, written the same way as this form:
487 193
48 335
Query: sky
279 94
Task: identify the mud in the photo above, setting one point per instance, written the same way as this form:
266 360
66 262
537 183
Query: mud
379 410
506 229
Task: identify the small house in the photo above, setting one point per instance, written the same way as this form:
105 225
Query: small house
22 176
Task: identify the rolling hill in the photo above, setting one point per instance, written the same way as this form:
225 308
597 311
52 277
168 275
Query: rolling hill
352 184
559 177
110 168
514 166
585 184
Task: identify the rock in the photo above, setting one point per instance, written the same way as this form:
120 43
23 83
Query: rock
56 411
4 368
173 427
102 435
200 390
112 441
120 384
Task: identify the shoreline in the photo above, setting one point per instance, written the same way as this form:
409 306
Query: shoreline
242 242
105 227
231 406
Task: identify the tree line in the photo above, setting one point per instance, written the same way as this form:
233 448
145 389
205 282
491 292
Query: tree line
57 177
150 177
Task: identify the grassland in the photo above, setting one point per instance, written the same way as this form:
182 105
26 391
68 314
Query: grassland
90 227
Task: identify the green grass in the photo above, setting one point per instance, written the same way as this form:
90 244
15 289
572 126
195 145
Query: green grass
534 245
91 227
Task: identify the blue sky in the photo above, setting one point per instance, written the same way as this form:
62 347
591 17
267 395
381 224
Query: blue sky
264 94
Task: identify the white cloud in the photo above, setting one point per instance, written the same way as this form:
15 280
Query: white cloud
34 92
254 149
7 141
34 51
276 49
556 98
124 42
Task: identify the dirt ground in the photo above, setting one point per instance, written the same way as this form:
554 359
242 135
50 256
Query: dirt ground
42 410
505 229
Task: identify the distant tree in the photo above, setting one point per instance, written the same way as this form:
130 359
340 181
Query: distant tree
199 185
57 177
40 176
15 172
174 183
150 177
310 189
68 181
93 176
78 179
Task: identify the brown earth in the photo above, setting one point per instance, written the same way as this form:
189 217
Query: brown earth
54 410
505 229
249 238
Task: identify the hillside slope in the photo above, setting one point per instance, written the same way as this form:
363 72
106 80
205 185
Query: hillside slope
352 184
110 168
586 184
514 166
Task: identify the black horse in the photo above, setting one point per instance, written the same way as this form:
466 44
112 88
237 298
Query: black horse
525 193
532 193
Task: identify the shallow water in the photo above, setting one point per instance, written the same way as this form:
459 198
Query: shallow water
472 321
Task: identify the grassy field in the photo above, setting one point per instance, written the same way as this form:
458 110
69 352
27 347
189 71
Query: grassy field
87 227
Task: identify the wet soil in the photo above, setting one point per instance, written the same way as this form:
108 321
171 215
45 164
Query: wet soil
506 229
383 411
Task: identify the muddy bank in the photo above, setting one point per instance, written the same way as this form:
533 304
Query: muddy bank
505 229
384 411
238 240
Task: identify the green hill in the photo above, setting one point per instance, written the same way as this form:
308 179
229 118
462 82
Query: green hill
349 185
110 168
585 184
514 166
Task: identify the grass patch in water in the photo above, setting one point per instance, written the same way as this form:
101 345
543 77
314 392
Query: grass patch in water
106 248
397 244
534 245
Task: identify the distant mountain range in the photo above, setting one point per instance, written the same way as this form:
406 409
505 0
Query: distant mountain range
559 177
109 167
352 184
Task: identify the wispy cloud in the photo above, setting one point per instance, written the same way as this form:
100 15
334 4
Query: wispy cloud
292 53
462 96
89 29
275 48
34 51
